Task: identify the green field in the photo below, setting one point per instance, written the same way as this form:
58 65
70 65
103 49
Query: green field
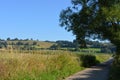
40 65
39 44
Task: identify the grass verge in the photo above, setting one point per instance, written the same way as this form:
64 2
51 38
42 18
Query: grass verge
38 66
54 65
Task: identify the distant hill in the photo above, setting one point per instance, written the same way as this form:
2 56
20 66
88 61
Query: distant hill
25 44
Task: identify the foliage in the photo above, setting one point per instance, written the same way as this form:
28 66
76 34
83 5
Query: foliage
115 73
42 66
55 47
88 60
93 18
58 45
38 65
3 44
65 44
20 44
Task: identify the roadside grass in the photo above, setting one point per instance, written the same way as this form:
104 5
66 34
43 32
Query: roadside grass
45 66
39 65
102 57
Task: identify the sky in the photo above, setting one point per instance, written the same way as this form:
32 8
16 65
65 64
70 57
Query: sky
37 19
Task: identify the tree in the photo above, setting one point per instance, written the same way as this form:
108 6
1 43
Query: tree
19 43
8 39
34 43
94 19
55 47
65 44
16 39
3 44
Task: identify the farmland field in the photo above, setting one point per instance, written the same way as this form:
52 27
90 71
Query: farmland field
40 65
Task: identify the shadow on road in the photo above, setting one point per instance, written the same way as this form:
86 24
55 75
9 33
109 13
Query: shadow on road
99 72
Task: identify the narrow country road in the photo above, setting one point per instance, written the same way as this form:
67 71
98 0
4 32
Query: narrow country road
100 72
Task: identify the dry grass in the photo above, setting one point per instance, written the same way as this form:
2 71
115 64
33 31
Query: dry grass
40 66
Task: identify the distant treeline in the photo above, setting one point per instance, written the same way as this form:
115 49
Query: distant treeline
104 47
30 44
15 39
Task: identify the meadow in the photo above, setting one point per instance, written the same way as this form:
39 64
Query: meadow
41 65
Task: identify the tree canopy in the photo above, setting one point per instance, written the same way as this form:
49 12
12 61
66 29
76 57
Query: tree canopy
93 18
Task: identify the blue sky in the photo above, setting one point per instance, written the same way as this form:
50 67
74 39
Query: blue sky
37 19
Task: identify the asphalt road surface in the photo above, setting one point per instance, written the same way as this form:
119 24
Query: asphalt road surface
99 72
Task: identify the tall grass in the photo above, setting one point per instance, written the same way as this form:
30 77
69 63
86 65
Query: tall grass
40 66
102 57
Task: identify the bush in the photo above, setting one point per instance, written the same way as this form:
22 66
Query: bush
114 73
115 69
88 60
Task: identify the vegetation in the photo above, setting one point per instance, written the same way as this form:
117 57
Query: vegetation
37 66
20 44
115 73
25 44
45 60
103 57
97 19
40 65
85 19
88 60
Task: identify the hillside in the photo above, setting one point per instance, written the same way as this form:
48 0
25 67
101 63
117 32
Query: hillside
25 44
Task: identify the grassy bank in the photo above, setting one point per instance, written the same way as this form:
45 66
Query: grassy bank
44 65
103 57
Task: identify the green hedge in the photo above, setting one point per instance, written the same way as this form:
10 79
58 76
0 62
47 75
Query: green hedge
115 73
88 60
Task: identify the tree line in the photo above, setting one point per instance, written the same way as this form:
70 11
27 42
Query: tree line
16 43
26 44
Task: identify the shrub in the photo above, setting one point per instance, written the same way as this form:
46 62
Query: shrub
115 69
88 60
114 73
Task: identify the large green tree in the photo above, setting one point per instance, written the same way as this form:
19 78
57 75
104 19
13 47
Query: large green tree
93 18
